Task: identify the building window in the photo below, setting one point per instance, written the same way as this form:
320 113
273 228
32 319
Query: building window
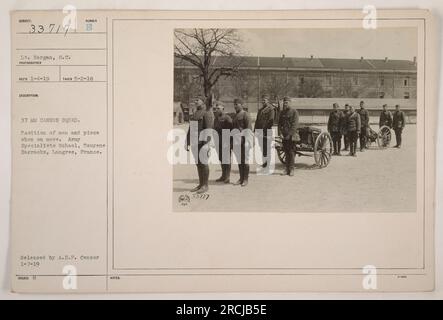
406 96
406 82
382 81
328 80
382 95
355 80
302 79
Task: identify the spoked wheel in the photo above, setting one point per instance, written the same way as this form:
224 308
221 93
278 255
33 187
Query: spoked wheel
384 137
281 154
371 138
323 149
279 147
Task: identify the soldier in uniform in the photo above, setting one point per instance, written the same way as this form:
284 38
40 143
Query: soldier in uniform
203 118
398 123
264 122
287 127
354 128
364 118
242 141
344 127
385 117
223 124
335 127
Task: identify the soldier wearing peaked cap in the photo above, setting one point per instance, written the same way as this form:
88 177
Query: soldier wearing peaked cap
335 128
287 126
203 118
223 127
385 118
398 123
263 127
242 141
354 129
364 118
345 127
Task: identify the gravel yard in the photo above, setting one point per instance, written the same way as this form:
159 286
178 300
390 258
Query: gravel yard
375 181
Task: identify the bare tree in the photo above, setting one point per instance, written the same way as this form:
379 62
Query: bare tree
185 86
215 53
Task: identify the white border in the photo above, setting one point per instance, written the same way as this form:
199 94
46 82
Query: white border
5 75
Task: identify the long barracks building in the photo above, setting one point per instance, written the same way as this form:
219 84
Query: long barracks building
376 81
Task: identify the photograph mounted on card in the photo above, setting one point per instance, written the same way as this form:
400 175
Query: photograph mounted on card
216 151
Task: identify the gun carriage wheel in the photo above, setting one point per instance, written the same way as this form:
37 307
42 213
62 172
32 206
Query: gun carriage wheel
323 149
384 137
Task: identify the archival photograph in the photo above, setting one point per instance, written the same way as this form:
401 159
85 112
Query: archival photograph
223 151
295 120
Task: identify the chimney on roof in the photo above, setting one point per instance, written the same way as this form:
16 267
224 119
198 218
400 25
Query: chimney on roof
386 59
361 59
415 61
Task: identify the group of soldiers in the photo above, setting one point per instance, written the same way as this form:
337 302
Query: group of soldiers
218 120
350 124
353 125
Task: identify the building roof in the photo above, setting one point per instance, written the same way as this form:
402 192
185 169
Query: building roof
311 63
270 62
347 64
394 64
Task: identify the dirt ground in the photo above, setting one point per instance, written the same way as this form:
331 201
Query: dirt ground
377 180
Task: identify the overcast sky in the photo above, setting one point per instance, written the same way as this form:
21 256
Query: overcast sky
394 43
